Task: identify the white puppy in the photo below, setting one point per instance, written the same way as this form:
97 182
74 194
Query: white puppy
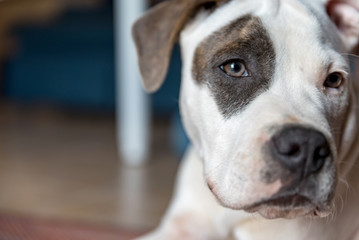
272 111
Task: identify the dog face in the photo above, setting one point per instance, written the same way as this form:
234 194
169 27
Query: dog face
265 98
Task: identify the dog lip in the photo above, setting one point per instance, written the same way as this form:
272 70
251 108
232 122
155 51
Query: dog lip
288 201
284 202
289 207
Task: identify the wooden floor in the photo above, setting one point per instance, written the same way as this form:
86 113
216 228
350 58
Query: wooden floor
30 228
56 165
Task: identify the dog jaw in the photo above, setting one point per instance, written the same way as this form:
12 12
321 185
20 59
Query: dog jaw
290 213
272 206
290 207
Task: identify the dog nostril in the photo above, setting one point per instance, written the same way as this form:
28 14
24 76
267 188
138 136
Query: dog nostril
323 152
293 150
287 148
290 152
320 154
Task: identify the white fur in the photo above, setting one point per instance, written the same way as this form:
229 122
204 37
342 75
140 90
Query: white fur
227 152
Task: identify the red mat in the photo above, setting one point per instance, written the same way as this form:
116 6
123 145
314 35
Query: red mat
22 228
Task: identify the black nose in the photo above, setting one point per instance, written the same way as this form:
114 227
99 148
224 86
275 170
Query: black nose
301 150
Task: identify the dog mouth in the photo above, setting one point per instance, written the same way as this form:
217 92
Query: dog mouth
292 201
288 201
290 206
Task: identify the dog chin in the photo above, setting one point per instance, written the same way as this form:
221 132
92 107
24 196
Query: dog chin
278 212
289 207
270 211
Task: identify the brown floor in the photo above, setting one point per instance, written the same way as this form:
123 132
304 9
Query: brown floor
56 165
29 228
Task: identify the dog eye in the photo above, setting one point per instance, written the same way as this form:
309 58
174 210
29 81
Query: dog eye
334 80
234 68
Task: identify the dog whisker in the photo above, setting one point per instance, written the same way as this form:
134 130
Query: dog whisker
345 182
308 226
350 55
333 214
340 201
212 170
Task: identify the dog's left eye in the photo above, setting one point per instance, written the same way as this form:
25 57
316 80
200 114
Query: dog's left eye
234 68
334 80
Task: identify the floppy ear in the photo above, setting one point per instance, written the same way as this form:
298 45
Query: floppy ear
155 35
345 15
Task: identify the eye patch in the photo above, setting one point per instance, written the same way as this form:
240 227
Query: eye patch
247 41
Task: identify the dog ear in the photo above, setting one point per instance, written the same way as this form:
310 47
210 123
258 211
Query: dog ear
345 15
155 35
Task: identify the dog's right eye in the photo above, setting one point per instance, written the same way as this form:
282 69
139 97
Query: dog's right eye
334 80
234 68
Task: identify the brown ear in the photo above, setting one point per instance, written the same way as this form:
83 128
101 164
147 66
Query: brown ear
345 15
155 35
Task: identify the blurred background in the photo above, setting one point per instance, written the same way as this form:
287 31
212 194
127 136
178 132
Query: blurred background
63 153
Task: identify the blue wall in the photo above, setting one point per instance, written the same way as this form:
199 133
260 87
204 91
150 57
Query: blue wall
70 62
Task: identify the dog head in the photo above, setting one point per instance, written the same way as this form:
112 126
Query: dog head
266 95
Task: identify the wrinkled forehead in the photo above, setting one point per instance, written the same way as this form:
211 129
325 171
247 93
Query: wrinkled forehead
285 45
285 21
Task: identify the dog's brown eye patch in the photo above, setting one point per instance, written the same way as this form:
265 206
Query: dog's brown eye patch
334 80
234 68
242 50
